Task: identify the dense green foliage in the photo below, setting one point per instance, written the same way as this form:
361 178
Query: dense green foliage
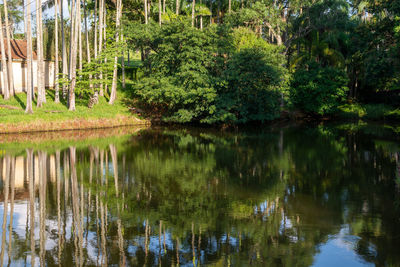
231 61
238 69
318 89
214 75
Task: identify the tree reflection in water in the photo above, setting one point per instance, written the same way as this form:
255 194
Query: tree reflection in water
192 197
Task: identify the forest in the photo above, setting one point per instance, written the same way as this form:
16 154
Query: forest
211 61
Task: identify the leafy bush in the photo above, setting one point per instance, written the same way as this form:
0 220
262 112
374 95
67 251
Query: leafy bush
212 76
318 90
178 80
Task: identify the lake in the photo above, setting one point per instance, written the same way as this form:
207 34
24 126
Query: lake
311 195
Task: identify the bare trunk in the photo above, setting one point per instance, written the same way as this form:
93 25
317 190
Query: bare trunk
159 12
177 7
101 14
193 5
229 6
79 38
6 92
87 41
163 7
201 19
64 50
39 61
74 42
56 87
29 84
10 69
113 94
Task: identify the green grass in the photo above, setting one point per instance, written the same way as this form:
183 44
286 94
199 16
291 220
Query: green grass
58 112
369 112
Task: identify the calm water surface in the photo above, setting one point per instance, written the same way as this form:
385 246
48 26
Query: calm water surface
293 196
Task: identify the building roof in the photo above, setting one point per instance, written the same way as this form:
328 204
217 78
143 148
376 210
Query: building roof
18 49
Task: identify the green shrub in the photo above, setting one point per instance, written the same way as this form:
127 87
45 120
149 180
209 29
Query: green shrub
317 89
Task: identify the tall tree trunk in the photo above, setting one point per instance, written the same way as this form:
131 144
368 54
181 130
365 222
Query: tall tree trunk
10 69
6 92
229 6
39 60
64 50
101 14
87 41
29 84
163 7
193 5
56 87
177 7
159 12
201 19
74 42
80 38
113 94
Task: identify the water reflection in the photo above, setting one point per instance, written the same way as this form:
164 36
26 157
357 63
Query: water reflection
291 197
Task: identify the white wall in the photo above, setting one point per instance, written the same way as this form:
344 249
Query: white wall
20 75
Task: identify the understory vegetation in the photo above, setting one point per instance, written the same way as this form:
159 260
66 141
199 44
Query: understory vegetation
219 61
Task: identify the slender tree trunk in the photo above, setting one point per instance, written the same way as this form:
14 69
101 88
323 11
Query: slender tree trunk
201 19
6 92
64 50
87 41
177 7
10 69
193 5
229 6
101 14
56 87
80 38
163 7
29 85
159 12
39 60
113 94
105 42
74 42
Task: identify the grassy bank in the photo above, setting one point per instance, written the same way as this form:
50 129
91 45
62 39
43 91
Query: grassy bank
374 112
54 116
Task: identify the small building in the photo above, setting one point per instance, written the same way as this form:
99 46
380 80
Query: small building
19 65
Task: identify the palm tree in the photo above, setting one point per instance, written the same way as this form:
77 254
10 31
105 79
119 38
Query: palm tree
113 94
159 12
101 14
29 87
64 50
10 69
6 91
56 87
87 40
39 44
73 56
193 4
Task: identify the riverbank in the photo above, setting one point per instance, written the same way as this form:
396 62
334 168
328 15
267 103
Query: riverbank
56 117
